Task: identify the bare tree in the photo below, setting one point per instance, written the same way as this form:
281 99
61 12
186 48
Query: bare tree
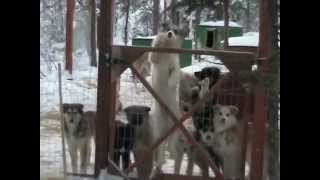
127 12
273 132
156 16
92 12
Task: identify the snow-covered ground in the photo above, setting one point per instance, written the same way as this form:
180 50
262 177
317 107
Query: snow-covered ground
82 89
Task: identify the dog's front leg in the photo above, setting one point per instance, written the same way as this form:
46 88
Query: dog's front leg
145 169
174 78
73 157
126 159
160 156
190 164
177 163
85 154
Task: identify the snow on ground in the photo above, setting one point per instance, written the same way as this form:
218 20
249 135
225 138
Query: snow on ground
82 89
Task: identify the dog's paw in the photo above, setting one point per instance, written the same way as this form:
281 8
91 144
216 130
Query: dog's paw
204 86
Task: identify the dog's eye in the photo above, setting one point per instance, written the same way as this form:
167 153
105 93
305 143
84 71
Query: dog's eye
71 120
227 114
211 130
220 113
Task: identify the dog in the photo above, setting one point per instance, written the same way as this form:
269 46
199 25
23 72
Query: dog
138 117
165 74
123 144
227 141
191 90
78 132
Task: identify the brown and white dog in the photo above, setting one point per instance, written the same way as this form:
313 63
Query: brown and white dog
78 130
228 141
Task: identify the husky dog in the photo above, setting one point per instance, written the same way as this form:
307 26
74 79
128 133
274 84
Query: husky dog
194 89
208 77
165 73
78 132
138 116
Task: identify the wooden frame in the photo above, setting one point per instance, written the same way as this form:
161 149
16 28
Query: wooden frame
108 73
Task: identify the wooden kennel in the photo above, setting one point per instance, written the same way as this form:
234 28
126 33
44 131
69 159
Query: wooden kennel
113 60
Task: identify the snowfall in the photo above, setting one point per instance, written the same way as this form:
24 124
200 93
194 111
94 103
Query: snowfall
81 87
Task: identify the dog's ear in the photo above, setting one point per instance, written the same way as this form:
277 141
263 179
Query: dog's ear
197 74
216 108
234 110
147 109
65 107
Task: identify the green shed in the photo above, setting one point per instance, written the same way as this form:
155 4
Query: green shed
185 59
209 34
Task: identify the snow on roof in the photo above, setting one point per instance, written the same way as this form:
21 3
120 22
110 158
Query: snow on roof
152 37
219 23
145 37
248 39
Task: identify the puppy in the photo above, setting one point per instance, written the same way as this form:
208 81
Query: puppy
227 142
138 116
78 132
165 71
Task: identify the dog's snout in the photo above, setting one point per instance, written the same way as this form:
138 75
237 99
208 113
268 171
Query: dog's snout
223 120
208 137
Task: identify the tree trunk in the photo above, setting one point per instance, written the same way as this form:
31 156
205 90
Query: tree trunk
174 14
61 20
126 22
226 24
273 132
93 45
219 11
247 12
156 15
165 12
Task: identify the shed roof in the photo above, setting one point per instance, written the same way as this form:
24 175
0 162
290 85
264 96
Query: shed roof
219 23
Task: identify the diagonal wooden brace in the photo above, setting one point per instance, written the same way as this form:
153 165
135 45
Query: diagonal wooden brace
178 123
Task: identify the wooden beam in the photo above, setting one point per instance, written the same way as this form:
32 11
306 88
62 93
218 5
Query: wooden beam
69 35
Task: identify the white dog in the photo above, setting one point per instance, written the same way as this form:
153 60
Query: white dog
165 73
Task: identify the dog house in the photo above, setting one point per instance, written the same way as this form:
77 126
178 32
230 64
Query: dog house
116 61
209 34
185 59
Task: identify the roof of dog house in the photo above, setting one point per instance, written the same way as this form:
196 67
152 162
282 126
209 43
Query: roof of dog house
219 24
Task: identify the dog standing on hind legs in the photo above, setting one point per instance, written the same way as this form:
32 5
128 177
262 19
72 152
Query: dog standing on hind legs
78 132
165 72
